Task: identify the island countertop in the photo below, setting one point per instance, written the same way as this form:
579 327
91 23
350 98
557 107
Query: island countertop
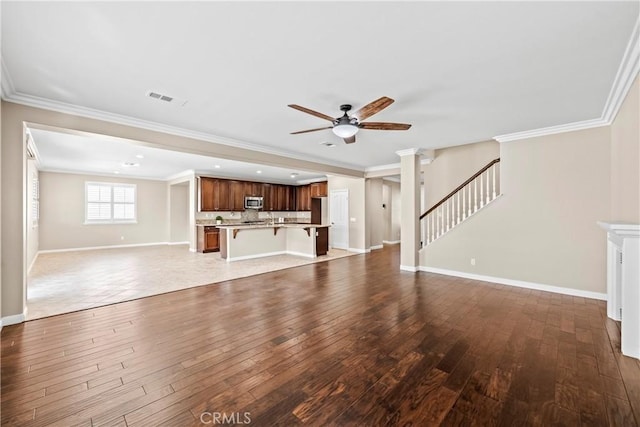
269 225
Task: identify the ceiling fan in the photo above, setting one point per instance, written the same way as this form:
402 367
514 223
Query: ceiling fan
347 126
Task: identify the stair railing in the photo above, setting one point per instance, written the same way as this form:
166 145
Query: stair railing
468 198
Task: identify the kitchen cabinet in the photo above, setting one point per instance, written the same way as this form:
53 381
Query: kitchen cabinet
219 194
214 194
322 240
319 189
267 201
236 195
206 194
208 239
303 198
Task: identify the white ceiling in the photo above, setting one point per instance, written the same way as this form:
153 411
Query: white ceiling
460 72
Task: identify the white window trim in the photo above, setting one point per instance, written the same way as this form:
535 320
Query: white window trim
111 220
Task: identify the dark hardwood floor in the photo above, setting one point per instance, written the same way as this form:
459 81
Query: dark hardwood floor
353 341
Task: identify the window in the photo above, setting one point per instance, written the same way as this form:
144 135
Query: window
110 203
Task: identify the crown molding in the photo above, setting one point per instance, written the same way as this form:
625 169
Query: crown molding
627 73
63 107
569 127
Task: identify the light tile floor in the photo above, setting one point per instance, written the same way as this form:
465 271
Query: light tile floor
69 281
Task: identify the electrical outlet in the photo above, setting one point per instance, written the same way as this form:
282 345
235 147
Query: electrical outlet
353 220
473 261
121 237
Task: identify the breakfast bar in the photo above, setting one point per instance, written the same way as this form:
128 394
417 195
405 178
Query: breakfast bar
246 241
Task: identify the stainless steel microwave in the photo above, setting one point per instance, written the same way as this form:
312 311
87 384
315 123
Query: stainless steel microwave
251 202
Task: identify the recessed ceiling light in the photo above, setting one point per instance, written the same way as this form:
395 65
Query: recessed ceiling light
116 172
258 171
217 166
293 175
139 156
130 164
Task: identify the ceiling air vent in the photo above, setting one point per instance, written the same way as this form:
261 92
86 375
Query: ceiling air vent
166 98
159 96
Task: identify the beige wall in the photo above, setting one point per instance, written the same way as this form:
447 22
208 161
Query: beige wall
62 199
32 228
392 211
357 211
625 160
13 228
375 213
543 229
179 213
452 166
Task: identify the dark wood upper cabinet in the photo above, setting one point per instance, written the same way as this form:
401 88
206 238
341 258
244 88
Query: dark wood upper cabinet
303 198
236 195
266 190
206 194
219 194
319 189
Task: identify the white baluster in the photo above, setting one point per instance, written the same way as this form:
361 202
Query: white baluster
458 210
475 195
446 215
487 173
431 216
494 179
464 208
469 205
481 191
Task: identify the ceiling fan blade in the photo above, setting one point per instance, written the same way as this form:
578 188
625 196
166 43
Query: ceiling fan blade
310 130
313 113
373 107
350 140
384 126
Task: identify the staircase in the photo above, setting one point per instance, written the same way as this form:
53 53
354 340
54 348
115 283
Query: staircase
475 193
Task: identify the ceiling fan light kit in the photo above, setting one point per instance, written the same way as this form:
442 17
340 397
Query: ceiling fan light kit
347 126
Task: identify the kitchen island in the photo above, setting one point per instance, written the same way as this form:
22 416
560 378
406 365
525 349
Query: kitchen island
246 241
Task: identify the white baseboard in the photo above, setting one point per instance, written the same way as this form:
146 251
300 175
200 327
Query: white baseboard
519 283
391 242
301 254
178 243
33 262
374 247
92 248
409 268
266 254
12 320
359 251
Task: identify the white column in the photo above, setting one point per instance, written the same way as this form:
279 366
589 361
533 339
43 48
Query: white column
410 208
623 282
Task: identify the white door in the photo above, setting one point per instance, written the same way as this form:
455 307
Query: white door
339 218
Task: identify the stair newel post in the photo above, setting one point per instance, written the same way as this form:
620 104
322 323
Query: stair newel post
493 168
